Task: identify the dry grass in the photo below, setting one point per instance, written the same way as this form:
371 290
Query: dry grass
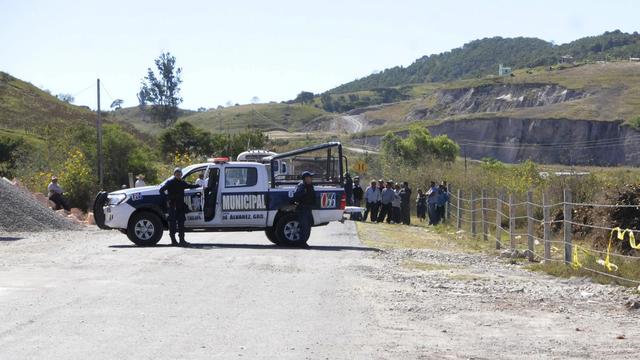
387 236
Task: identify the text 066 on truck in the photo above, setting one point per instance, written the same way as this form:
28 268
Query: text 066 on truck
237 196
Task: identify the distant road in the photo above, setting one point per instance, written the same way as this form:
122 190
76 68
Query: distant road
360 150
354 123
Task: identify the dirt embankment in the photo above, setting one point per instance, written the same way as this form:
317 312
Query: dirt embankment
550 141
493 98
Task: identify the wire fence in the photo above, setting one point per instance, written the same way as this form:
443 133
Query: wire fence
528 227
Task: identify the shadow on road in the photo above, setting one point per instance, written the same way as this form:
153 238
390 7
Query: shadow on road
211 246
9 238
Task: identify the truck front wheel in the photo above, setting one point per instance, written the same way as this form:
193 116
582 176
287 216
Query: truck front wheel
289 231
145 229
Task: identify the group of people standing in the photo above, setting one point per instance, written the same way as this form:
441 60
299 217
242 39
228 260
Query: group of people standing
391 202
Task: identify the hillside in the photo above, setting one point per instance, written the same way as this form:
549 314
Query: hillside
603 92
481 57
26 108
267 117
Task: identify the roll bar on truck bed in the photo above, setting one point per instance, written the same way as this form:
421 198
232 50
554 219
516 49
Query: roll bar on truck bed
330 163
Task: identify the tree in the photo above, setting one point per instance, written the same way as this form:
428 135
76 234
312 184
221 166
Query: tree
184 138
9 154
255 100
162 91
117 104
327 102
419 146
202 109
304 97
68 98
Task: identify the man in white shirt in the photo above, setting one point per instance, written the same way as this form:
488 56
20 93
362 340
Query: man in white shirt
140 181
201 182
56 195
372 198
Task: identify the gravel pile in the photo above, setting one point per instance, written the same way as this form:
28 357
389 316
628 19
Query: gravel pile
19 211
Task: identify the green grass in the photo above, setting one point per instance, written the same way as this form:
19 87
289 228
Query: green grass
272 116
233 119
25 107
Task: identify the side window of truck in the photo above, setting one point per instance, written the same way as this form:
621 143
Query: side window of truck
240 177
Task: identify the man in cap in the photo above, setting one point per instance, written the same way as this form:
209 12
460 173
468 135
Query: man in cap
56 195
174 189
305 198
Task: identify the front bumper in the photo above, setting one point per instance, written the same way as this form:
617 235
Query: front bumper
117 216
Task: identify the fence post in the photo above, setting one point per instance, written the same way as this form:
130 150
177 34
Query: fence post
447 212
512 223
485 223
547 226
530 243
458 210
498 220
473 215
567 226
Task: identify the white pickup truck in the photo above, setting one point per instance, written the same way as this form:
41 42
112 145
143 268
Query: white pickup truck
237 196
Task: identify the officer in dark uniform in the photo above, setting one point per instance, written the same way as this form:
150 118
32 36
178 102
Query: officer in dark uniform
305 198
174 189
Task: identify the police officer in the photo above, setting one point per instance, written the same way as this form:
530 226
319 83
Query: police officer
174 188
305 198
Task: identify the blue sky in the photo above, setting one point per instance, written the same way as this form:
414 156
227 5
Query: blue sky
234 50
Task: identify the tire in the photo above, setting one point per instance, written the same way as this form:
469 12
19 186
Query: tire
288 231
271 235
98 212
145 229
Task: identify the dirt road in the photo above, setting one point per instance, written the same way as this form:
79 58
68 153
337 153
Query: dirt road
79 295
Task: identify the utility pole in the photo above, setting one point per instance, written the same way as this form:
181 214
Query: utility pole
99 142
464 150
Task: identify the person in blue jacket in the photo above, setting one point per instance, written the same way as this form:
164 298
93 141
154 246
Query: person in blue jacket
443 199
305 198
433 195
174 189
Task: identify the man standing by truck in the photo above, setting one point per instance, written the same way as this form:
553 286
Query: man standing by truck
305 198
174 188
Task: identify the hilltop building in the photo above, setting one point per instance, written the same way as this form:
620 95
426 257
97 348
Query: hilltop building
567 59
504 71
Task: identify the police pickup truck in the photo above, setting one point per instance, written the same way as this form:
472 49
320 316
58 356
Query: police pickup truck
236 196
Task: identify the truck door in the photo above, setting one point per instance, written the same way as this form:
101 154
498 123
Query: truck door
210 197
244 196
193 199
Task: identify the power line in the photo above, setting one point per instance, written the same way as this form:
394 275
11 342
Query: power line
83 90
583 142
107 91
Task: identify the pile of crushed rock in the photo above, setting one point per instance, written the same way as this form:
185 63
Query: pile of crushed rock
21 211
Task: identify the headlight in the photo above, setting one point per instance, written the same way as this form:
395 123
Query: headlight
116 199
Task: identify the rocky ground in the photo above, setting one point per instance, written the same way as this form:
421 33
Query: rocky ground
80 294
483 307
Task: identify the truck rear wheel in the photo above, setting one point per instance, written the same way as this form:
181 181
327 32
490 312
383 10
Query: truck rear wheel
145 229
289 231
271 235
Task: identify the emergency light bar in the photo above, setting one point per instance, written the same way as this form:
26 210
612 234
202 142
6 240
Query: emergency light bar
219 160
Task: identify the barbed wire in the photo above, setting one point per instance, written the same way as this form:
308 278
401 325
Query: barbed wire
562 244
